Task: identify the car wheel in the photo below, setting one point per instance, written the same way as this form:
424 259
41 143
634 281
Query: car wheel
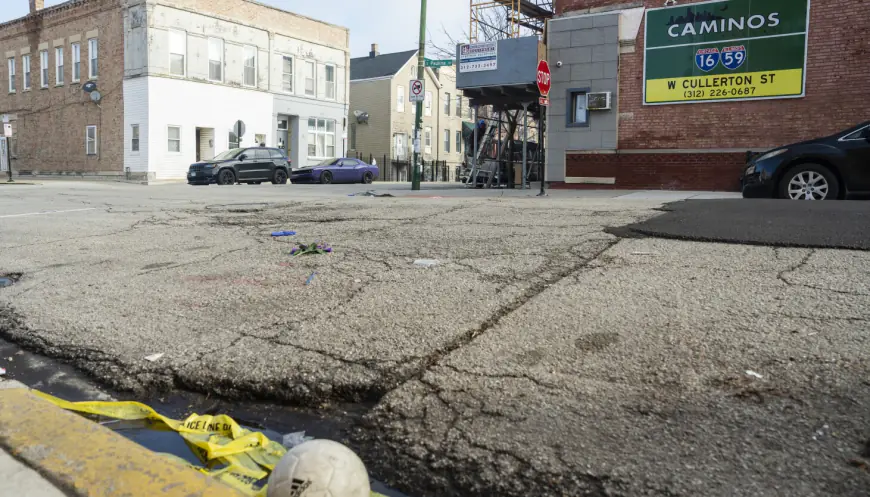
226 177
280 177
809 182
367 178
326 177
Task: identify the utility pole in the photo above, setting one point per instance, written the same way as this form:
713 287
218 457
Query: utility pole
421 75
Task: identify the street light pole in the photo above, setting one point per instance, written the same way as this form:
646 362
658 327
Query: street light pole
421 73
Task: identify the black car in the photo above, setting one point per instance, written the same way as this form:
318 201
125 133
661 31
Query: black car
242 165
835 167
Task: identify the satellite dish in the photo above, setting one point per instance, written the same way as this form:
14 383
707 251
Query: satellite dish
362 118
95 96
89 87
357 113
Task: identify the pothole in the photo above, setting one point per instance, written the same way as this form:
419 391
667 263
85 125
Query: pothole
242 208
9 279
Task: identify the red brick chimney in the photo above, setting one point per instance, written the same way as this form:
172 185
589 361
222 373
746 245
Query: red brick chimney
36 5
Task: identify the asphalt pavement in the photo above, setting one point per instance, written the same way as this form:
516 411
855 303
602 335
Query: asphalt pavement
837 224
542 355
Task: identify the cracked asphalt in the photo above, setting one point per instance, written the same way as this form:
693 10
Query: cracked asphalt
542 356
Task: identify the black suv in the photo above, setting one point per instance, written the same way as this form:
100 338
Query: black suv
242 165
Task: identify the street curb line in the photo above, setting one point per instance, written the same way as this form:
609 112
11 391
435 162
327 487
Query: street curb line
89 460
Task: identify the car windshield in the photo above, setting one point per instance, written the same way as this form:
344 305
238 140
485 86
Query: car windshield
327 162
229 154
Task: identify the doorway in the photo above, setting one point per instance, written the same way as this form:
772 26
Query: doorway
204 144
282 136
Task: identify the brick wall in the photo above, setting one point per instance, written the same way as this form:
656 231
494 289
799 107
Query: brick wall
666 171
562 6
837 91
49 124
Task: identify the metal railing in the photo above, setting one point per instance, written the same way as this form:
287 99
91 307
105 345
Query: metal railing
402 169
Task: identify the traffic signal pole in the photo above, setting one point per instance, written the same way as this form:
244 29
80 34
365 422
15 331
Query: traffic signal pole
421 73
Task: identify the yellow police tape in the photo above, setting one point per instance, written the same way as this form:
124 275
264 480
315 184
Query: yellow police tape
238 457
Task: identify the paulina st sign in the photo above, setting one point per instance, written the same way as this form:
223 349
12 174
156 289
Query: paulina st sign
726 50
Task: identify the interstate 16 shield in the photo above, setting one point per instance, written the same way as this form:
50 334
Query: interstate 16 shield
733 57
707 59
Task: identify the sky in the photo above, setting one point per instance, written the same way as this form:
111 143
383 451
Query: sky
393 24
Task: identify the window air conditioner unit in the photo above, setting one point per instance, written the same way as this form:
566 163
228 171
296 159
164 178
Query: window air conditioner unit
598 101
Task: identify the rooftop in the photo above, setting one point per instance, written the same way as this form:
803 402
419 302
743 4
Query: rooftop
379 66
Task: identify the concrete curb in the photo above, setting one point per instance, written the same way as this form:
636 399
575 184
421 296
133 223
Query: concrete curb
85 459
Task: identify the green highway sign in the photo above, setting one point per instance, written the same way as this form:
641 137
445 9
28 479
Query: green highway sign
724 50
439 63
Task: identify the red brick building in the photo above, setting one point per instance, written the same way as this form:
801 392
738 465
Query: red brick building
702 146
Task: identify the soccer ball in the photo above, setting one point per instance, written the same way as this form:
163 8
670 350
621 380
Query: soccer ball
319 468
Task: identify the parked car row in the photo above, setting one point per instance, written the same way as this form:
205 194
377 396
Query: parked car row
829 168
258 164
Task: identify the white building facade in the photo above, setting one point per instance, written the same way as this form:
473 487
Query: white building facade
192 71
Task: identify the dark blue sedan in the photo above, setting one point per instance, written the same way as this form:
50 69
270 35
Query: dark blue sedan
336 171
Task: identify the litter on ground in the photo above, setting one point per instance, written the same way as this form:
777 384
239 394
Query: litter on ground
237 456
283 233
154 357
311 248
426 262
753 374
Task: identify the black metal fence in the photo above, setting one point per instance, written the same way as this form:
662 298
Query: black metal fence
403 169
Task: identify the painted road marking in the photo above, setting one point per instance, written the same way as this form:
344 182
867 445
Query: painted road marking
48 212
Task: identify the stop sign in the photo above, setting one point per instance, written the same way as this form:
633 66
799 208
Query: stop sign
544 77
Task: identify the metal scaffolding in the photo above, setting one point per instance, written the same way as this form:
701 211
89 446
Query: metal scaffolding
498 19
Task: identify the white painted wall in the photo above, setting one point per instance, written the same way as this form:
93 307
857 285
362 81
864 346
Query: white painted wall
136 112
190 105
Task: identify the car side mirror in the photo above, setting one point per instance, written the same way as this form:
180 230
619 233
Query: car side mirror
243 157
866 134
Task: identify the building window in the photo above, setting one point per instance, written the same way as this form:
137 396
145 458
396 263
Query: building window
43 70
459 142
25 66
91 140
458 105
93 68
321 138
578 114
134 143
173 133
215 59
309 78
400 146
250 66
233 140
447 102
447 139
330 82
428 104
287 82
177 53
428 140
12 75
58 66
76 62
400 99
